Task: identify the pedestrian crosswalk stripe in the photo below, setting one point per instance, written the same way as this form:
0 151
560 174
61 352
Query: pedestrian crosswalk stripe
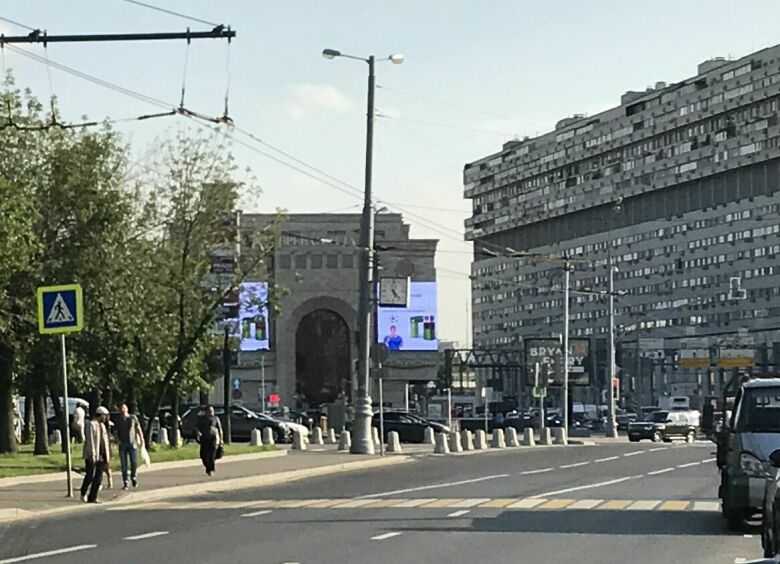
615 504
469 502
585 504
556 504
384 503
442 503
324 503
674 506
415 502
706 506
355 503
644 505
498 503
527 503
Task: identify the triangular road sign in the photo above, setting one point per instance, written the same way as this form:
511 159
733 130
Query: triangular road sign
59 313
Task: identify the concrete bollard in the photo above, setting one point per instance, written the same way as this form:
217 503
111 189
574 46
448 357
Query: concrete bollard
467 439
375 436
257 438
559 436
441 446
428 438
544 437
268 436
393 442
455 444
299 442
55 438
331 438
511 437
529 439
345 441
498 439
162 436
316 436
179 438
480 440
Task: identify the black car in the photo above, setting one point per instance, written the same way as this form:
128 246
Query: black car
410 428
623 420
242 422
663 426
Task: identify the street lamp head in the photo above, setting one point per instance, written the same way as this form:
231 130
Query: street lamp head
331 53
396 59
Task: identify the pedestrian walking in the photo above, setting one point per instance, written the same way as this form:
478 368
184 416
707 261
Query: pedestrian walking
130 437
79 421
210 438
17 424
97 455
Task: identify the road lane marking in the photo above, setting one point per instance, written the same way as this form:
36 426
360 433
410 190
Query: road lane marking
257 513
634 453
470 502
147 535
615 504
606 459
499 503
663 471
706 506
325 503
740 560
354 503
590 486
458 513
435 486
540 471
386 536
527 503
445 502
556 504
708 460
644 505
657 449
415 502
267 503
674 505
585 504
689 465
575 465
48 553
383 503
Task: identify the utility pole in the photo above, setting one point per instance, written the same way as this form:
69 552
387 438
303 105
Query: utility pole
226 382
565 344
611 421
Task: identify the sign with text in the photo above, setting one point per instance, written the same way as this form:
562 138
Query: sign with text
548 352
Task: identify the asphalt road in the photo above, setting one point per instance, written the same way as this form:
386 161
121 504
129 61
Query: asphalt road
608 504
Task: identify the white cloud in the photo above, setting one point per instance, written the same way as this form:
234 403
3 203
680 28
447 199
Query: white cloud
308 98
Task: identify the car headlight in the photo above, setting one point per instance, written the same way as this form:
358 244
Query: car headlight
648 427
752 466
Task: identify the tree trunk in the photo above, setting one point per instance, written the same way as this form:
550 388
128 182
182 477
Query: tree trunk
7 437
94 401
174 420
28 415
41 429
63 418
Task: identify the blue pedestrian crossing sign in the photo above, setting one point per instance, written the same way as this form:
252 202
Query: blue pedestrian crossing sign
60 309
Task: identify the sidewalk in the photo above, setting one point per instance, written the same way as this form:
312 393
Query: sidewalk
36 498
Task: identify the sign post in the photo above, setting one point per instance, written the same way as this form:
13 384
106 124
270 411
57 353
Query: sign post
60 311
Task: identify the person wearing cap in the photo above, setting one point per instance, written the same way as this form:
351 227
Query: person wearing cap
97 455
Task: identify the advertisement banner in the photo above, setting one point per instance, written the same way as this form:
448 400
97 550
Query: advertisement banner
252 327
411 328
694 358
549 354
734 358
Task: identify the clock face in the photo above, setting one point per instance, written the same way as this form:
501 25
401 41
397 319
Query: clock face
394 292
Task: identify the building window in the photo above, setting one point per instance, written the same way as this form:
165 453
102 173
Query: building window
285 262
332 261
300 261
347 261
316 261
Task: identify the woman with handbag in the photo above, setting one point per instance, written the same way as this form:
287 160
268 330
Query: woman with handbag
210 438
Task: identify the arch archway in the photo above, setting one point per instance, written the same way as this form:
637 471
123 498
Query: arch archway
322 357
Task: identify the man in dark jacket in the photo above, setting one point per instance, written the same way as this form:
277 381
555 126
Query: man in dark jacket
210 437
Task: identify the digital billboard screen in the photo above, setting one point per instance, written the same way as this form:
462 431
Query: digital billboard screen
411 328
253 324
548 353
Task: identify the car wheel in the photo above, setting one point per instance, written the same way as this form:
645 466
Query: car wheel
690 436
279 436
657 438
632 440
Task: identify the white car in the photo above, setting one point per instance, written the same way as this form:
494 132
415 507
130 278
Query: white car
294 427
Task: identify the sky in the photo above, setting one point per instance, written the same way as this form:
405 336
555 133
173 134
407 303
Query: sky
476 74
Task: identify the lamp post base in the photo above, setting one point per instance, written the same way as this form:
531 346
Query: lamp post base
362 440
611 430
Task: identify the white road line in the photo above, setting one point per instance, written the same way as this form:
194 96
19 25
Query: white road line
413 502
656 472
585 504
540 471
589 486
527 503
657 449
469 502
644 505
435 486
634 453
257 513
688 465
458 513
49 553
575 465
707 460
354 503
740 560
606 459
147 536
706 506
385 536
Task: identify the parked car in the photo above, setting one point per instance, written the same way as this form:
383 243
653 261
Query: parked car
410 427
242 422
293 426
520 421
624 419
665 425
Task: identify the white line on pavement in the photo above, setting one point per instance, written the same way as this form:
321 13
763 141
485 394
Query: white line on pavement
740 560
49 553
589 486
712 506
688 465
708 460
458 513
606 459
257 513
147 535
575 465
634 453
657 449
656 472
385 536
540 471
435 486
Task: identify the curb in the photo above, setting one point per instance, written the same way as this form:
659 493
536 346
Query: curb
57 476
13 515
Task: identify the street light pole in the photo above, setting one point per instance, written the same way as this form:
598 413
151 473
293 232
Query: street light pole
565 344
611 421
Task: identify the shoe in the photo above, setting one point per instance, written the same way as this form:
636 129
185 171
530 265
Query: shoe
135 482
84 498
208 472
96 501
124 488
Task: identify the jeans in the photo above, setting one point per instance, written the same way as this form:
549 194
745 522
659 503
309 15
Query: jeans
93 477
128 451
208 452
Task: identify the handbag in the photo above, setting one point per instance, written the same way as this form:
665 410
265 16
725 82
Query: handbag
220 452
145 458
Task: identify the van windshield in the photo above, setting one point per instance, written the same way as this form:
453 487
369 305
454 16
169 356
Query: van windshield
759 411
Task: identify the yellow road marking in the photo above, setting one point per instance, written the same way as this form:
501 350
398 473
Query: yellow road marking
499 503
556 504
674 506
616 504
